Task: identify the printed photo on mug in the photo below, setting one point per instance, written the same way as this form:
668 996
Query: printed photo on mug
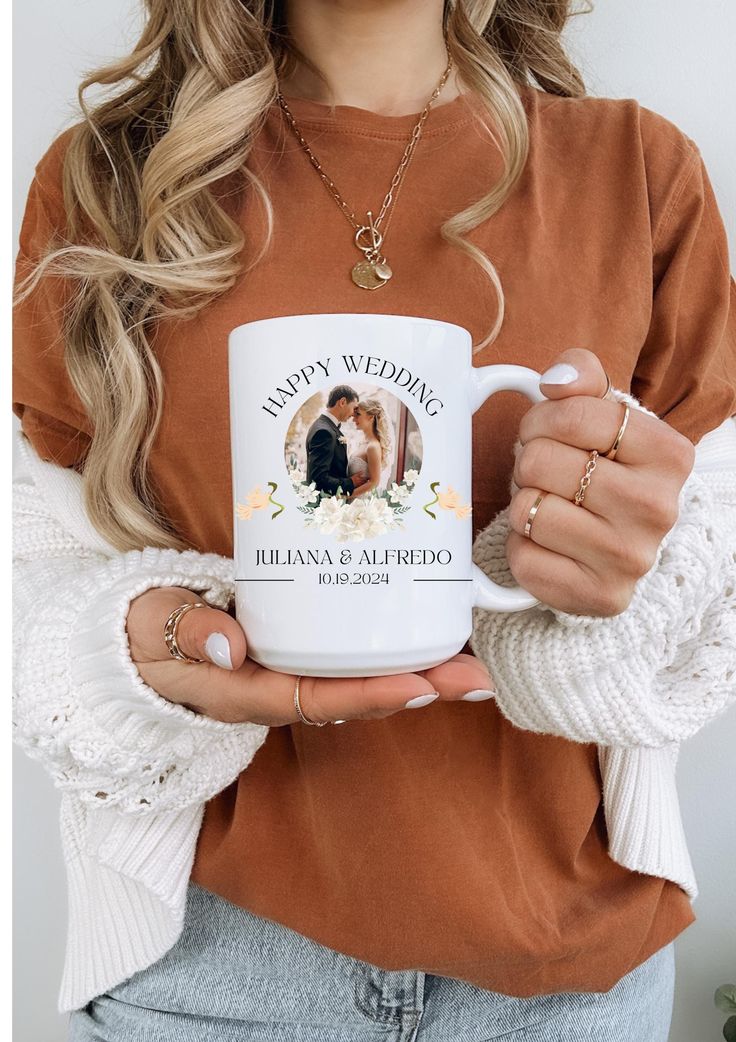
353 453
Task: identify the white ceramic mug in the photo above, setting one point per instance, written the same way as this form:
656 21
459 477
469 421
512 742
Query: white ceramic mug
383 582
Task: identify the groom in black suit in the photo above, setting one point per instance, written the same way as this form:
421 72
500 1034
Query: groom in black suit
327 456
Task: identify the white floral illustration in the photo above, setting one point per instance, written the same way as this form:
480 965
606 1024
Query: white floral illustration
364 517
399 493
328 516
307 493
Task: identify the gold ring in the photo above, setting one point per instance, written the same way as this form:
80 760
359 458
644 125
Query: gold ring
532 514
298 708
611 454
585 480
170 631
608 386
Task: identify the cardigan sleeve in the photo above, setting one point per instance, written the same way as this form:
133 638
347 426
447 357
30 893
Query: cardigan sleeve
80 706
655 673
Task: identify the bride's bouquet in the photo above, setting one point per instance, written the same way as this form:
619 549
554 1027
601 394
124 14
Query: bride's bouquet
374 514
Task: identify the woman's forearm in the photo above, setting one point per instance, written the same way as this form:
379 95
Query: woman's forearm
361 490
80 706
650 675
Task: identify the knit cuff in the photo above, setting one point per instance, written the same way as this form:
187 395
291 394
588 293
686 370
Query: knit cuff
102 731
653 674
642 812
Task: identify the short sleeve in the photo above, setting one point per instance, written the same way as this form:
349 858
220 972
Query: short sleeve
686 370
43 396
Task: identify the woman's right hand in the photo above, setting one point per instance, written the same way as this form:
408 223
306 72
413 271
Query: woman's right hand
251 693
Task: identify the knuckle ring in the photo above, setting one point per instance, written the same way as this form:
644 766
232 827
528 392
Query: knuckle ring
611 454
585 480
170 629
297 706
532 514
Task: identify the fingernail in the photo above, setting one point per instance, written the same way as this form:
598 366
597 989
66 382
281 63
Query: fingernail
421 700
478 696
562 373
217 649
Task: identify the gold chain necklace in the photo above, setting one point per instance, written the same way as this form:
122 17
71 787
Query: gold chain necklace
373 270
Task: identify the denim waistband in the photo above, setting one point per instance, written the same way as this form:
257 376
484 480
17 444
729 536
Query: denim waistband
233 975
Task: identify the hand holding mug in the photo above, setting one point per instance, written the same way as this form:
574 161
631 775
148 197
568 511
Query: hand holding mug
381 581
233 688
587 561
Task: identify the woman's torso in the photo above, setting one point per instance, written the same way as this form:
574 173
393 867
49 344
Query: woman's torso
443 838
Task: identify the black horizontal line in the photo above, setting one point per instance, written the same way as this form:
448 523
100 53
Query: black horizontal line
443 580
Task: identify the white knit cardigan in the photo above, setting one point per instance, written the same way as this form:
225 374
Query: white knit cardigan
135 770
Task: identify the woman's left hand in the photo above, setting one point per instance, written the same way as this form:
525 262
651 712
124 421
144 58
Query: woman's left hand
587 559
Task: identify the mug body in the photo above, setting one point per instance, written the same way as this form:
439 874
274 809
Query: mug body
381 583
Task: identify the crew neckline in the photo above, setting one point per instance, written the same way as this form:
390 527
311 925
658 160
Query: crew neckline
351 117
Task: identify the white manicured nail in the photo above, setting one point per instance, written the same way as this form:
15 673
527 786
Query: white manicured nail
420 700
217 648
478 696
562 373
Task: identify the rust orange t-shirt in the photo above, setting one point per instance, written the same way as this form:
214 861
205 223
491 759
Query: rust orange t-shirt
442 839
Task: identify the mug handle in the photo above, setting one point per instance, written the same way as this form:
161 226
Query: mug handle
485 381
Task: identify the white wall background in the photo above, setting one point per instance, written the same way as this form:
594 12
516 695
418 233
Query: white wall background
675 58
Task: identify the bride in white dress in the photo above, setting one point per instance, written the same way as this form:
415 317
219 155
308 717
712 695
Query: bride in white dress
374 458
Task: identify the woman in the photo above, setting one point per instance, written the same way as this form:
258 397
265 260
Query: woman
234 871
374 458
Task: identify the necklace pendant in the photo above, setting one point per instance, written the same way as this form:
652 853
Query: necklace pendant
383 269
374 270
364 275
371 273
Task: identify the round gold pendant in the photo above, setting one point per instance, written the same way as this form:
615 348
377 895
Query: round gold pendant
364 274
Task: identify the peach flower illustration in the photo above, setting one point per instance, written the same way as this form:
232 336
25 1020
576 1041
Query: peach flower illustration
449 500
257 499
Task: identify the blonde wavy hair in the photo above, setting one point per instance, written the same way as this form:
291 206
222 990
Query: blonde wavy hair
381 426
148 231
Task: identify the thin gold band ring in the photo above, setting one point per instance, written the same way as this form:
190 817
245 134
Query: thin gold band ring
532 514
611 454
297 706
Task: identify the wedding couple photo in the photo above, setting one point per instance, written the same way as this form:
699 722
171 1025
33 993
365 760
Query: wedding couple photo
352 440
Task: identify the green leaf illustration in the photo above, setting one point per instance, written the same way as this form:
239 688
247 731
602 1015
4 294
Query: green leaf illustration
273 486
433 488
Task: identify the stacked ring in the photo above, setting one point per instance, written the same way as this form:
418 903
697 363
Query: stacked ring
593 455
170 629
585 480
299 713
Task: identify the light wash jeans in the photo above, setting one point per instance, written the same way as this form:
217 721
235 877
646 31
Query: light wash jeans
235 977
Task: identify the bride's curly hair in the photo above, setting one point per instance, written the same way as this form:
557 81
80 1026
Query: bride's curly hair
149 232
381 426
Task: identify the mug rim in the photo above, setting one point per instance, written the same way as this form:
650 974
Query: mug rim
382 316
